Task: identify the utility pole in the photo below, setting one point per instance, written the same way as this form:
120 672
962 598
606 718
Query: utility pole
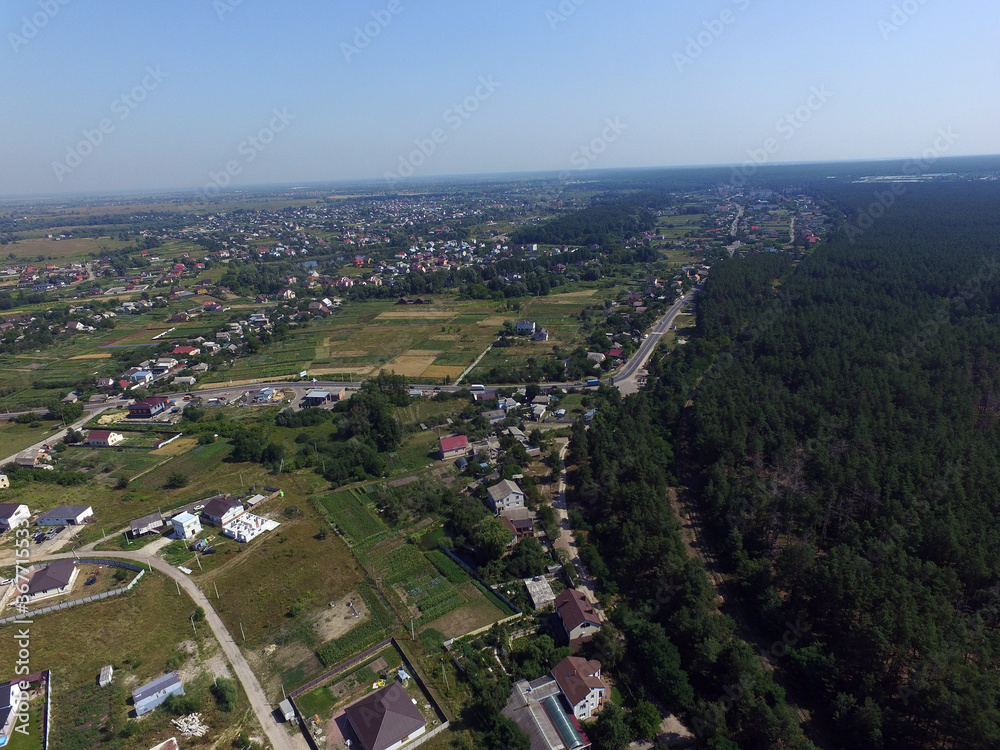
216 590
413 637
444 673
198 558
178 587
193 627
242 633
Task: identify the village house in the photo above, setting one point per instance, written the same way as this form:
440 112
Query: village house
453 447
104 438
504 496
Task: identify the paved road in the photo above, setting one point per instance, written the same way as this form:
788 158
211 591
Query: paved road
626 380
278 737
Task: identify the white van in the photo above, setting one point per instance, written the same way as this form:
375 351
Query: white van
477 387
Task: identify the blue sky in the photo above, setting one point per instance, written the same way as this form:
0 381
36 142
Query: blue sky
680 82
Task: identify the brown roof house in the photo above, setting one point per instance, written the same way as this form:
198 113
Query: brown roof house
581 685
387 719
577 616
52 580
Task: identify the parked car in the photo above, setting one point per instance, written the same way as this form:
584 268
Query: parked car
91 581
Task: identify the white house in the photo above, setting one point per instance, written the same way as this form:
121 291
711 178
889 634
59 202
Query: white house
104 438
505 495
186 526
4 482
13 514
581 685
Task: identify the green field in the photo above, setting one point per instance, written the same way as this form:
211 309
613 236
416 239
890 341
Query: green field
138 633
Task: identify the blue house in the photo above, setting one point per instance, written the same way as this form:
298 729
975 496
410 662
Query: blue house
152 694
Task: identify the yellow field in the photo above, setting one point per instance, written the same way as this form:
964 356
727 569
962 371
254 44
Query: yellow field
494 321
179 446
98 355
413 315
440 371
411 365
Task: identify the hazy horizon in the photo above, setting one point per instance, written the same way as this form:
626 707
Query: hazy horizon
207 94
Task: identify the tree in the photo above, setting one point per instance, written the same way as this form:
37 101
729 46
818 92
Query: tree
226 693
176 480
609 645
612 731
504 734
645 720
490 537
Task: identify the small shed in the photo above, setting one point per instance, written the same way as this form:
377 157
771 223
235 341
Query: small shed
107 674
287 710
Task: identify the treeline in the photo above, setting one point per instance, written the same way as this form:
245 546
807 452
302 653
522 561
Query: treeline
601 224
847 448
683 647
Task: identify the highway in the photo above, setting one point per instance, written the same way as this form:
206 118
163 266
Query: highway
626 379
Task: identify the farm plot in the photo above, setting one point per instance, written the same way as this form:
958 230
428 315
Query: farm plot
353 518
418 586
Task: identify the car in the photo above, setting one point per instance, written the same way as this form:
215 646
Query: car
187 397
91 581
199 507
39 538
60 528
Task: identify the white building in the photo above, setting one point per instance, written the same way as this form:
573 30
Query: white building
505 495
4 482
104 438
186 526
66 515
13 514
248 527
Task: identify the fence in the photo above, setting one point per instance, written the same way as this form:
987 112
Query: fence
480 631
414 674
87 599
475 574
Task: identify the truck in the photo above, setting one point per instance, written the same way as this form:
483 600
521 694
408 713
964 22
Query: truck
593 381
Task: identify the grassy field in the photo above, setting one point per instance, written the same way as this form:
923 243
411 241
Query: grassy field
17 437
74 248
139 634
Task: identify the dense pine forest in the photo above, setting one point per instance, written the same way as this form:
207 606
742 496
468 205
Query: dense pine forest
837 423
847 455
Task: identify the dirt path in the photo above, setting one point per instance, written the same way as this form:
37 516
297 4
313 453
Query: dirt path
693 533
566 541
